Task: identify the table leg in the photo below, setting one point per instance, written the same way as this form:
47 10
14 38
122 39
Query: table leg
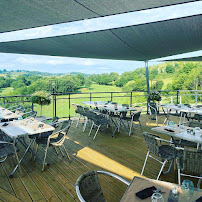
15 169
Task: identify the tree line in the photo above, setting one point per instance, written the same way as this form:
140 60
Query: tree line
185 76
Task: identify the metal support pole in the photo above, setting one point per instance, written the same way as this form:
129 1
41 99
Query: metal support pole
111 96
147 79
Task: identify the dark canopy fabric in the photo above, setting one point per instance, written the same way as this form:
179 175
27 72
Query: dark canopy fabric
139 42
196 59
23 14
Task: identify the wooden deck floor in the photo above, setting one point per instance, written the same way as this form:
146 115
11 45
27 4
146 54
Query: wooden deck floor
122 155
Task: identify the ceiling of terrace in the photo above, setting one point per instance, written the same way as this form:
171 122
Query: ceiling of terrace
138 42
23 14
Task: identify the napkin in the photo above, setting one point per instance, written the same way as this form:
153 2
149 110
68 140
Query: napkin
145 193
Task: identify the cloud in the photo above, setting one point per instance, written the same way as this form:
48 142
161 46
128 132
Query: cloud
54 60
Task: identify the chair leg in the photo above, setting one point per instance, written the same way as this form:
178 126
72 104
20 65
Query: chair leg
61 152
96 132
161 169
36 151
73 118
179 177
85 123
45 158
199 182
67 153
91 129
78 121
131 125
55 150
145 163
140 126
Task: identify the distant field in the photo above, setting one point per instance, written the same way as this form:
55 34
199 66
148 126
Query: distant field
5 91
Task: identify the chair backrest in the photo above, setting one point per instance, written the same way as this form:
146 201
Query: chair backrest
29 114
152 109
151 142
136 116
74 106
194 124
89 187
190 161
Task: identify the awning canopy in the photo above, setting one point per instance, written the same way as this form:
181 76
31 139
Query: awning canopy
21 14
139 42
191 59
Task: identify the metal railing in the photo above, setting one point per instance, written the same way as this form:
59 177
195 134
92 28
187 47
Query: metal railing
62 102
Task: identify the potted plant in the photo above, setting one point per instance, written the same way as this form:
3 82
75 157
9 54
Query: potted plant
41 98
154 96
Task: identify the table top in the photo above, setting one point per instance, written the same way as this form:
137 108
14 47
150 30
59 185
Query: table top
25 127
138 184
180 133
109 106
182 108
7 114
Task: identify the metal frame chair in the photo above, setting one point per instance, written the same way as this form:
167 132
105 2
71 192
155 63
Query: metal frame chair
51 120
98 120
134 116
29 114
153 113
164 152
190 161
51 140
88 187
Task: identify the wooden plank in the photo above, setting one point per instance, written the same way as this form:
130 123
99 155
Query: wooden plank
4 182
18 187
5 196
41 183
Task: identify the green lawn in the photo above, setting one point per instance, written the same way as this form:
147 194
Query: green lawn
5 91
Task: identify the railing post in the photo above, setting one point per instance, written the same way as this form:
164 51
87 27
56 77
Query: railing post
53 105
55 100
131 98
90 97
196 97
32 106
4 102
69 107
177 97
111 96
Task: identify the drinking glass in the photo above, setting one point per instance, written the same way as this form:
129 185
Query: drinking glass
188 188
157 197
171 124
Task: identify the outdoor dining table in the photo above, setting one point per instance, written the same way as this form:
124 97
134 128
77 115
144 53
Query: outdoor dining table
138 184
19 129
181 132
6 114
179 108
118 109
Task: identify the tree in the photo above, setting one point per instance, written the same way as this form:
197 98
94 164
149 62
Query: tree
81 78
88 82
170 69
41 98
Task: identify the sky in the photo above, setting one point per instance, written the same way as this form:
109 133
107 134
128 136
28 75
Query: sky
54 64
